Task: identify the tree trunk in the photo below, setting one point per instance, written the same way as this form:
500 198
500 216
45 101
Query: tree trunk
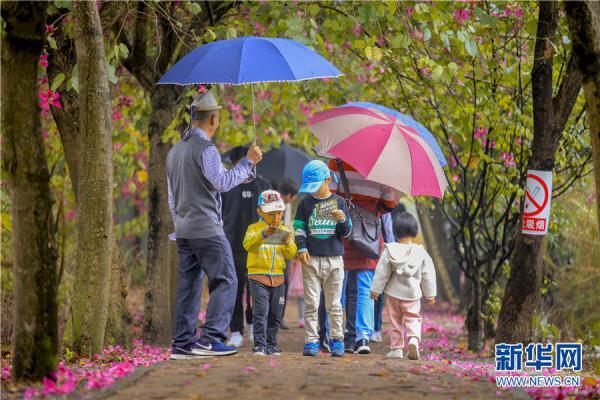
35 309
584 26
94 192
474 321
434 243
157 308
62 60
522 293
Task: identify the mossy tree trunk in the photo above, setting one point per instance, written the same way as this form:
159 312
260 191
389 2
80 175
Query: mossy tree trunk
94 191
35 309
63 60
584 25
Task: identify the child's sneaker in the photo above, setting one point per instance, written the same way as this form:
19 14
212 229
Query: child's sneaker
376 337
311 349
273 351
324 346
259 351
337 348
236 340
413 348
396 353
362 347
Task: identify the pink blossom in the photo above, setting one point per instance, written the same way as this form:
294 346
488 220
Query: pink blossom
234 107
492 144
410 11
590 201
201 89
44 60
509 159
49 29
47 98
30 393
461 15
455 178
250 369
264 95
285 135
417 34
480 132
519 140
357 29
425 71
70 215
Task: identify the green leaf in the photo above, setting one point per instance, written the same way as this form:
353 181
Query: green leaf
400 41
452 67
58 80
437 72
195 8
52 42
313 9
426 34
110 70
376 53
123 51
369 52
461 36
359 44
230 33
63 4
471 47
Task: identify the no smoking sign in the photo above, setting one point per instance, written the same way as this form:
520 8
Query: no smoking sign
538 193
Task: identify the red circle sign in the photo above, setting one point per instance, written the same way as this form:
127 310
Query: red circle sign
538 207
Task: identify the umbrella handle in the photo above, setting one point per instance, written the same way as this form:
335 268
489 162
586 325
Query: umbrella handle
253 119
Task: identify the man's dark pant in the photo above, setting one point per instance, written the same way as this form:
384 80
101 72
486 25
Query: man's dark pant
213 256
237 320
267 308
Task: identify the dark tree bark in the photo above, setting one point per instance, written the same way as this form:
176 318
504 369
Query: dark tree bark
94 191
63 60
550 116
584 26
35 309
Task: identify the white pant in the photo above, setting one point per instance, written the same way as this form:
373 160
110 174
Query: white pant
327 272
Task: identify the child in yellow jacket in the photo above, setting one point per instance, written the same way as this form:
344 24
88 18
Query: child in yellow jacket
266 264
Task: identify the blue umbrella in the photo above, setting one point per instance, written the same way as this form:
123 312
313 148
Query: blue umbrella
249 60
406 120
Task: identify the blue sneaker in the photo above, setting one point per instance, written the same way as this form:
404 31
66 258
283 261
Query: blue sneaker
182 353
213 349
311 349
337 348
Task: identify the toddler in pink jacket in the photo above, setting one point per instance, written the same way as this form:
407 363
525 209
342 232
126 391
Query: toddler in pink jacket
405 273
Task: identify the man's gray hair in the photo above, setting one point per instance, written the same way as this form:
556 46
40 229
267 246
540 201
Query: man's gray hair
203 115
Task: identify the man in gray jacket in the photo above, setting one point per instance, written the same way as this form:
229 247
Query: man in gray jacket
196 177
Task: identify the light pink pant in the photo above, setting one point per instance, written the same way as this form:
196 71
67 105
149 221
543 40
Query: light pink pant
404 316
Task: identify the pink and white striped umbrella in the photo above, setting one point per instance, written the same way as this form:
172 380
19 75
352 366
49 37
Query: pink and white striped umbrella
381 148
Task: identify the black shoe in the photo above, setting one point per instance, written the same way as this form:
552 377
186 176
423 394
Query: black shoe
348 348
259 351
362 347
273 351
284 326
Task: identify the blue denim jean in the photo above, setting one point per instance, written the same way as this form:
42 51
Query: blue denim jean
358 305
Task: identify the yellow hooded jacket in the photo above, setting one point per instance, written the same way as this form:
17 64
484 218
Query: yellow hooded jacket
266 259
